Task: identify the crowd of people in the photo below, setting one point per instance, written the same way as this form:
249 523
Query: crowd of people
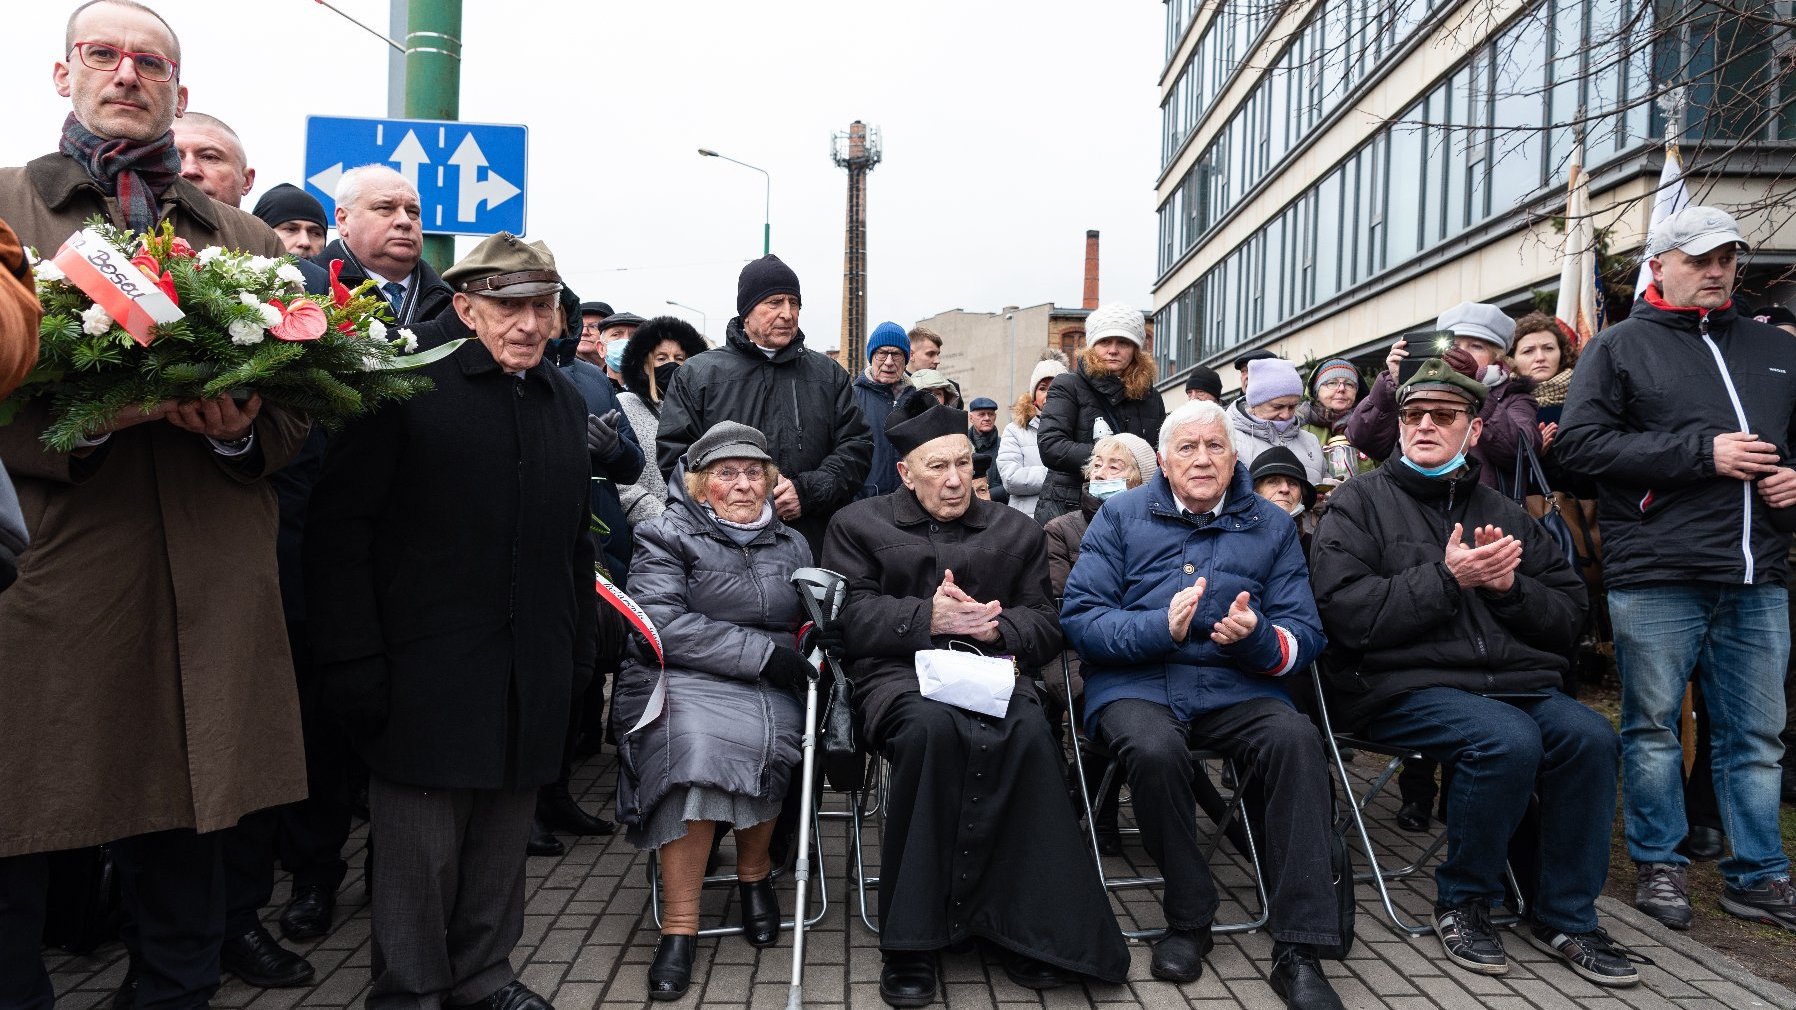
224 633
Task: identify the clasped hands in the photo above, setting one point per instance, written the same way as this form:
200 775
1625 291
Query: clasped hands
1235 625
1490 563
1744 456
220 417
953 612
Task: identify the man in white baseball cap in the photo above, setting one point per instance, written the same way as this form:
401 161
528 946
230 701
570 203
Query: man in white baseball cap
1694 231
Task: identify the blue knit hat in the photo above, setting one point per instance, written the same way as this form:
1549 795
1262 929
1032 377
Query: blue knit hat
888 334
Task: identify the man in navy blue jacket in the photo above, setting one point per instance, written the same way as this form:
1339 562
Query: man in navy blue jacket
1189 601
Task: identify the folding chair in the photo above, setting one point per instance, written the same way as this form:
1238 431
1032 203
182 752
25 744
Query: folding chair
868 803
1231 814
1358 802
718 880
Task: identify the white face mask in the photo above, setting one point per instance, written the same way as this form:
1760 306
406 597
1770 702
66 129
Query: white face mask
1295 510
1102 489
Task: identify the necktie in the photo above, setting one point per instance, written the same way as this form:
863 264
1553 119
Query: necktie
1200 520
395 294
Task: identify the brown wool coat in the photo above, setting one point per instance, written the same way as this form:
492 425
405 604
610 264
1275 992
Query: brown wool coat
19 314
145 682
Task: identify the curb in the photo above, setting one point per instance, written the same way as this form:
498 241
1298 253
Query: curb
1725 967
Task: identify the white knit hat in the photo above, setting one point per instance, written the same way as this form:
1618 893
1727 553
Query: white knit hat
1047 368
1146 460
1118 319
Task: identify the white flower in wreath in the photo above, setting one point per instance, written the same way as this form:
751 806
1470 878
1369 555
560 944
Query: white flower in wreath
261 263
290 273
247 298
411 340
271 316
244 333
48 272
377 330
209 254
95 322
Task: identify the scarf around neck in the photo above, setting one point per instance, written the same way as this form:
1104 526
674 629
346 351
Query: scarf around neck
137 172
1551 393
741 533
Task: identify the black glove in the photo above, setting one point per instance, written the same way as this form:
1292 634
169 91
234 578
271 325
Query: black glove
359 695
787 670
601 432
828 637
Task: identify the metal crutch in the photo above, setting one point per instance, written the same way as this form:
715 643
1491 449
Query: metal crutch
822 592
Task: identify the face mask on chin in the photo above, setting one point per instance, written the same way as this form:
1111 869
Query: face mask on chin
1449 466
1295 510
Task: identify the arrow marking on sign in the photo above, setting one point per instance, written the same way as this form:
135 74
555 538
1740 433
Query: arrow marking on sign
326 181
494 189
408 156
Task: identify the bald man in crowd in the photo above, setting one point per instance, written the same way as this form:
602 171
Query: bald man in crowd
212 158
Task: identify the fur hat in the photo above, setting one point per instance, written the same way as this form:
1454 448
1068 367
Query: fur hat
643 342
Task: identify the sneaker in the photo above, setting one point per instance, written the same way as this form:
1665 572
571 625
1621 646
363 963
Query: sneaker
1594 955
1660 891
1772 903
1469 939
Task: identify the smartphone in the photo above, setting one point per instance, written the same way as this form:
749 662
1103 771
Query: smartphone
1421 345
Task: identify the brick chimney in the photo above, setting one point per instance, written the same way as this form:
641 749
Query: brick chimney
1091 269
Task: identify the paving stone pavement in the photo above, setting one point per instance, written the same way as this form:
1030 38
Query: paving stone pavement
589 936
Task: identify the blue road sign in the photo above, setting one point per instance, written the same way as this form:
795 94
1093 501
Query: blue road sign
470 176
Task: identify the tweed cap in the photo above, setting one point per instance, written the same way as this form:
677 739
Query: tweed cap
726 440
505 266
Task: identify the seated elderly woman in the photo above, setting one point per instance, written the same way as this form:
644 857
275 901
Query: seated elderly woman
711 572
979 839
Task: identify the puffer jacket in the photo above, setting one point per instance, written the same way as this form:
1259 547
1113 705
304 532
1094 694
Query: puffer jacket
1648 398
1076 404
1510 414
1019 463
802 401
876 401
1139 551
1252 436
1396 618
720 609
1064 533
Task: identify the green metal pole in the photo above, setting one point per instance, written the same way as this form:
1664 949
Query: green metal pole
433 84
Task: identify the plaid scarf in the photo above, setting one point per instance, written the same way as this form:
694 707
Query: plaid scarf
138 173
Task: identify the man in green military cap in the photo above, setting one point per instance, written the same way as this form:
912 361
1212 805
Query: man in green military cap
450 582
1450 613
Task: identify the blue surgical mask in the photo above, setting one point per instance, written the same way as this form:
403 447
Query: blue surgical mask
614 354
1449 466
1102 489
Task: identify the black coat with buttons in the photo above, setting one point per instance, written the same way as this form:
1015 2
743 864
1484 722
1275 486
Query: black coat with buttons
893 554
447 555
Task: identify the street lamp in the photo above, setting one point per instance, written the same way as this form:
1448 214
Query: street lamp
704 321
767 209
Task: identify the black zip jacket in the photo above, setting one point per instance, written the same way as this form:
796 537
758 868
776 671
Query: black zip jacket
1646 402
1076 402
802 401
1397 620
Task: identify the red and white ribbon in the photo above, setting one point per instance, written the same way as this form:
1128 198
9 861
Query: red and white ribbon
108 276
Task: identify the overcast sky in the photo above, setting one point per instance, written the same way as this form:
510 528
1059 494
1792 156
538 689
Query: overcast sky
1009 128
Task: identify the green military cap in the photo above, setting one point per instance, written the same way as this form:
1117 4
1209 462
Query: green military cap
505 266
1436 376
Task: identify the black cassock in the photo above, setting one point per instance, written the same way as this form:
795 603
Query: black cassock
980 839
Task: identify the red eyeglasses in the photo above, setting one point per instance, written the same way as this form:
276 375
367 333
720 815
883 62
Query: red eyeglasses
103 57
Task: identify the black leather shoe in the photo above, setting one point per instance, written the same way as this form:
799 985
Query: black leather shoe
1179 955
671 971
556 809
1297 978
1413 817
760 913
513 995
907 979
1032 974
258 960
542 843
308 913
1703 843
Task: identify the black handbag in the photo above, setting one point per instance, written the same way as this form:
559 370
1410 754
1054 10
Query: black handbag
838 748
1530 475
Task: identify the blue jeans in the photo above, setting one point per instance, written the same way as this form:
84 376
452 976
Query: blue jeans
1503 752
1738 638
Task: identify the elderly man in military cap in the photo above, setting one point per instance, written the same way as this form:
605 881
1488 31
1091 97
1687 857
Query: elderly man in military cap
1450 614
450 586
979 839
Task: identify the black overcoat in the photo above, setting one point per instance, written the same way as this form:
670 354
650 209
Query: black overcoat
448 535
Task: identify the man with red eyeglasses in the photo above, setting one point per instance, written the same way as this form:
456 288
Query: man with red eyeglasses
147 685
1450 614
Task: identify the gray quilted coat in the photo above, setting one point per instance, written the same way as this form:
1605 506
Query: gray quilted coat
720 609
